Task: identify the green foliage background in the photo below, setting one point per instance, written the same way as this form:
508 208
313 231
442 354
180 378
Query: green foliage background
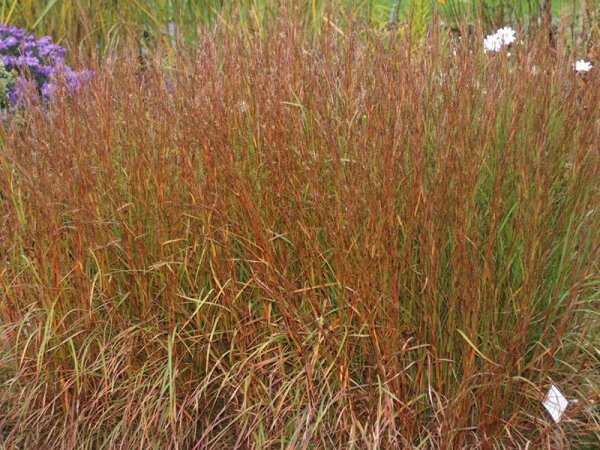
100 23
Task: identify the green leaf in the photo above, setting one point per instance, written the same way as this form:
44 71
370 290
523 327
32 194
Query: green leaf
465 337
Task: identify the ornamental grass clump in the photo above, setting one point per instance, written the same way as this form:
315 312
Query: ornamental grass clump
276 241
35 64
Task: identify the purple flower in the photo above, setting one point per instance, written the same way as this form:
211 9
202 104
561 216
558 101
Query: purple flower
12 97
23 90
45 40
47 89
8 42
29 61
72 79
12 30
7 60
38 64
45 71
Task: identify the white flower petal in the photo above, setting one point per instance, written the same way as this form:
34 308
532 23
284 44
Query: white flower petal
507 35
492 43
582 66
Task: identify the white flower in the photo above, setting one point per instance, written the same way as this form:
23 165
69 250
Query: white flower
507 35
582 66
503 36
492 43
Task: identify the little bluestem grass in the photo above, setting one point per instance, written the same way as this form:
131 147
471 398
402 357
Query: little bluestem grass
278 241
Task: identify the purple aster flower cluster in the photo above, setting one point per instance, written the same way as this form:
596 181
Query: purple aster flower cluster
37 64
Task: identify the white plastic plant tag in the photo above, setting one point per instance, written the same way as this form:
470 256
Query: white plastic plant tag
555 403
